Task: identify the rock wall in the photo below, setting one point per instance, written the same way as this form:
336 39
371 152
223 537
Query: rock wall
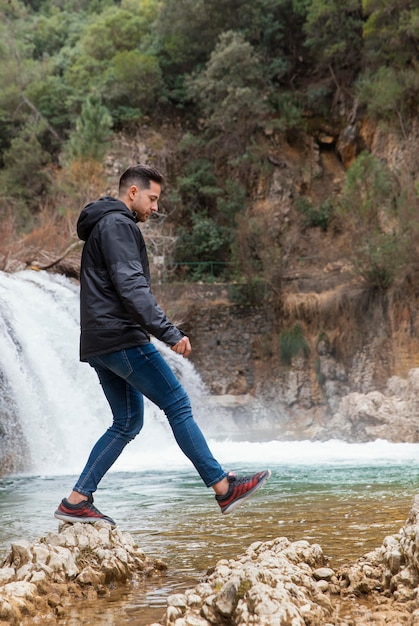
357 339
358 382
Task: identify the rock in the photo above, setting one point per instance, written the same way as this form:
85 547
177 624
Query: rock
323 573
274 583
75 562
226 599
20 589
278 583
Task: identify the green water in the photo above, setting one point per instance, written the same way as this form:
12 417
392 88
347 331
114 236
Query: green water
347 509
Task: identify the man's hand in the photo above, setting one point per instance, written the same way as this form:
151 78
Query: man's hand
183 347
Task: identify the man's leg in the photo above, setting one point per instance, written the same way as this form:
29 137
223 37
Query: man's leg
127 406
153 378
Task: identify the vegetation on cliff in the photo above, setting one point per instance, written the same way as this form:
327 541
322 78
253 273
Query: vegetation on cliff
215 90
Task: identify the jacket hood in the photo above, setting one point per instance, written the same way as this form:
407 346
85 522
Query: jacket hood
95 211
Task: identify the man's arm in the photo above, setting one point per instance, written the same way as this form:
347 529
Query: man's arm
119 245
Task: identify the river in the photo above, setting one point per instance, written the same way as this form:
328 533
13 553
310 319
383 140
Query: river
346 497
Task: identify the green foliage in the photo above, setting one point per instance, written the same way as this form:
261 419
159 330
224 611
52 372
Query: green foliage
204 245
334 33
92 132
369 206
115 30
24 179
51 96
231 202
293 343
53 31
229 70
378 260
133 81
249 293
228 91
188 32
391 32
113 59
315 215
369 193
197 187
289 107
390 94
204 242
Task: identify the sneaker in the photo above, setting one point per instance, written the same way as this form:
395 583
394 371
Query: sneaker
83 512
240 489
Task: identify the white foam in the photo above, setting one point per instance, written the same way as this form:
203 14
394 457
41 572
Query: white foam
63 411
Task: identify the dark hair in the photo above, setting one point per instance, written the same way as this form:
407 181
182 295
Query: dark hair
139 175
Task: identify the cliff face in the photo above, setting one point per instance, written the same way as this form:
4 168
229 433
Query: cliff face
356 382
346 338
354 339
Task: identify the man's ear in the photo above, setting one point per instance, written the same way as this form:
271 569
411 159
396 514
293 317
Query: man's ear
132 192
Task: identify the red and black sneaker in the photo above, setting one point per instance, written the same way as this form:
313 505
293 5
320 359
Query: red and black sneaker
240 489
83 512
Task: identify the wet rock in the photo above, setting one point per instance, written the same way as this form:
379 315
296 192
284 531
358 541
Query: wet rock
272 583
279 583
323 573
77 562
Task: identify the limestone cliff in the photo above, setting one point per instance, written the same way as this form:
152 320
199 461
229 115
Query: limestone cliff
355 338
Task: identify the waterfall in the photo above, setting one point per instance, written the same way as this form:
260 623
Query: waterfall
52 408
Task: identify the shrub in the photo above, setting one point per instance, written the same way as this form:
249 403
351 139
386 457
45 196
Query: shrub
201 248
250 293
370 206
292 343
315 215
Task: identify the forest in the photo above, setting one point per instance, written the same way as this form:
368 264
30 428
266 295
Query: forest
76 74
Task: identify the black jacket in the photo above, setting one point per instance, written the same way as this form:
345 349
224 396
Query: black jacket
117 308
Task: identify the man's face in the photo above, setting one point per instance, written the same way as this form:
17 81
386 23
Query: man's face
144 201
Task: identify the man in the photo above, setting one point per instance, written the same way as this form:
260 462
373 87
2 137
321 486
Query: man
118 316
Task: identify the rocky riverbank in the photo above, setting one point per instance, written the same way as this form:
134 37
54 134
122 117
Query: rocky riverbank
279 583
81 561
274 583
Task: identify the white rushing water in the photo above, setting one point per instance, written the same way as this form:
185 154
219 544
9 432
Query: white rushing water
61 409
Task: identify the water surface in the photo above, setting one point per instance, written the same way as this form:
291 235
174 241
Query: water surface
347 507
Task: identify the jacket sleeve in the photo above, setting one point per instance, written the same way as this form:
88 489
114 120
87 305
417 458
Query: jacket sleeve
125 255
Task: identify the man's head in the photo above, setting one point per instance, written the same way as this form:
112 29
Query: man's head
139 189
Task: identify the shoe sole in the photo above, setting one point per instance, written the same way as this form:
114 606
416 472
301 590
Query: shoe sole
84 520
234 505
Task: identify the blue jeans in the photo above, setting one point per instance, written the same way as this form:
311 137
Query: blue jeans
126 376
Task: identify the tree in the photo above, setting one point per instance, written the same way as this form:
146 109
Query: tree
391 33
25 177
132 84
390 85
229 91
204 246
334 34
369 206
89 139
